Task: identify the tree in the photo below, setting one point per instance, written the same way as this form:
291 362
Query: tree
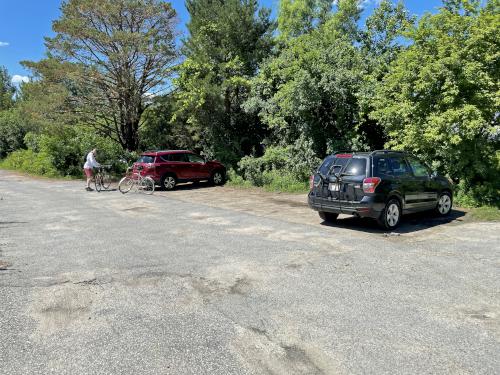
121 52
381 43
297 17
441 96
7 89
309 88
227 41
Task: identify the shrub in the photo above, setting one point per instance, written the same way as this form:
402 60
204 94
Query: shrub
30 162
67 146
296 162
12 131
235 179
476 195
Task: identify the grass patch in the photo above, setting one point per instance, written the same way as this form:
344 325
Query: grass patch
485 213
235 180
283 182
272 181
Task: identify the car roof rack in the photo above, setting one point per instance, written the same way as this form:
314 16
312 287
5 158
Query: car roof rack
385 152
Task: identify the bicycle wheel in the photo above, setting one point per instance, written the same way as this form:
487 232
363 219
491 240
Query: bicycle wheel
147 185
125 184
106 181
98 182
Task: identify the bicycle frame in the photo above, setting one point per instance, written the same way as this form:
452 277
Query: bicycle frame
137 180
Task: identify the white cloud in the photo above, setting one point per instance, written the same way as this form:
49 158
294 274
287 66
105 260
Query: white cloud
4 44
17 79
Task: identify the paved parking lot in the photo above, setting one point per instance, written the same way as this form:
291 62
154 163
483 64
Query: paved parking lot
227 281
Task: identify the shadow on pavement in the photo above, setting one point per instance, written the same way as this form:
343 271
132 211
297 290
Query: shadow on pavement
409 223
106 191
190 186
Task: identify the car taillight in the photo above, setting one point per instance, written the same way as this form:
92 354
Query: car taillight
370 184
311 182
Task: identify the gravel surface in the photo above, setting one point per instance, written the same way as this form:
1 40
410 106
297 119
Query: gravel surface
226 281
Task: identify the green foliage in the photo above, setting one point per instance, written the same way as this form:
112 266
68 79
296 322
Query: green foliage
440 98
310 87
280 181
293 163
272 180
297 17
36 163
227 41
158 132
67 146
479 193
7 89
234 179
13 128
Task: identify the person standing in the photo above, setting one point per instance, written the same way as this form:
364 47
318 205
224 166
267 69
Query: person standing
89 166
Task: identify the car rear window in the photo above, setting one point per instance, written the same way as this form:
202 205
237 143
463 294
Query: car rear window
355 167
146 159
332 164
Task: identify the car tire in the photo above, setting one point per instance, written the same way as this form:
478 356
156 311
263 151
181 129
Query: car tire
168 182
391 215
218 178
444 204
329 217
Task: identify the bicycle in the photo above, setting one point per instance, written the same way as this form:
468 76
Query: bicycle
102 179
142 183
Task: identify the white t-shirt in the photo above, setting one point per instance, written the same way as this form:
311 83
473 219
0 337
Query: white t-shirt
91 162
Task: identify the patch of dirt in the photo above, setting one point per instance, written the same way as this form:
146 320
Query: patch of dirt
258 349
209 219
4 266
61 307
289 207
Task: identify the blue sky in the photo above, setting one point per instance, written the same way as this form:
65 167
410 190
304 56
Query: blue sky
24 23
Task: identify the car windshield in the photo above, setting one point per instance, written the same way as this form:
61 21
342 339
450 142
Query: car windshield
145 159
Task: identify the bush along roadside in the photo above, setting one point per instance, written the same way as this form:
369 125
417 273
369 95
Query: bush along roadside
281 168
61 153
28 161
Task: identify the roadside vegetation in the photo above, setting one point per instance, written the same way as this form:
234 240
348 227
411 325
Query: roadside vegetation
268 97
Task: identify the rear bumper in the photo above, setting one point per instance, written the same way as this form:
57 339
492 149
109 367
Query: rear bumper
370 206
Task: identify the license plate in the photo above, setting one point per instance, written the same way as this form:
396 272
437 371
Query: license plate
334 187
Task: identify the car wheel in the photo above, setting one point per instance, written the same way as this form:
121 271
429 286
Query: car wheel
444 204
168 182
391 216
217 178
328 216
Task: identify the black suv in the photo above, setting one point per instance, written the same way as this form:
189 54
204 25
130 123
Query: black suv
381 184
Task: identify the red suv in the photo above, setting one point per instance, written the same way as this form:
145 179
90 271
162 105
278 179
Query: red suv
168 168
